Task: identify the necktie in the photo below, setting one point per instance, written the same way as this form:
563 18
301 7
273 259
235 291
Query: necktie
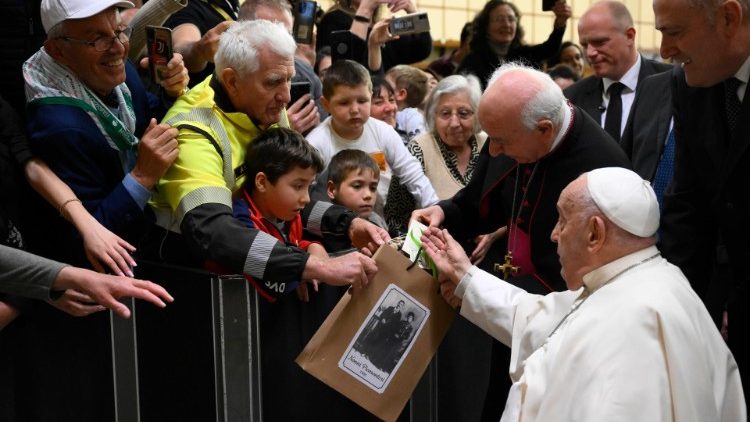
613 120
732 103
665 169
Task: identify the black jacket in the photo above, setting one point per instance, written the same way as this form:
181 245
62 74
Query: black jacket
587 93
485 203
483 63
644 141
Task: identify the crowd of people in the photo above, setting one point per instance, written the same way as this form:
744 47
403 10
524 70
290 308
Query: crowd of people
586 205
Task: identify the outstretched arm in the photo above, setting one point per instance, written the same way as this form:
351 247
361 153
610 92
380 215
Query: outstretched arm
353 269
25 274
447 254
103 248
485 300
106 290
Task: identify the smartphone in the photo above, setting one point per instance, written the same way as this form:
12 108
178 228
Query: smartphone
548 4
299 89
410 24
304 21
340 48
159 45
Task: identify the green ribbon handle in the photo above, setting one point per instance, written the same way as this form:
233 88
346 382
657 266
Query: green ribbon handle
421 254
120 135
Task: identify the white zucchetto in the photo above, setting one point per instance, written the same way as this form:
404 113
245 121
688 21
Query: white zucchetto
626 199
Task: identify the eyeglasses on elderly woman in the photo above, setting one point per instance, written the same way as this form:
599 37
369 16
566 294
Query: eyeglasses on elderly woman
461 113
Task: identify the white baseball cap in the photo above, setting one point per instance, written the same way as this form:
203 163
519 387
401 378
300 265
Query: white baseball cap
626 199
56 11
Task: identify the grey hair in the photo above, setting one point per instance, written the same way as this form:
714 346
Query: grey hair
547 103
249 8
454 84
585 202
240 45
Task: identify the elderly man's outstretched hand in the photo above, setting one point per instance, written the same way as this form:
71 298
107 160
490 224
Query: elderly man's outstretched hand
450 259
447 254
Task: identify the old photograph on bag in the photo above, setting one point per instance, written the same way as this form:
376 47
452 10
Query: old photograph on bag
384 339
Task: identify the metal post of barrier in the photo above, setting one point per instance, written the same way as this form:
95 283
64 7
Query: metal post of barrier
236 350
125 365
423 403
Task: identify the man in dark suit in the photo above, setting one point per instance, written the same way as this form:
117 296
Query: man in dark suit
607 34
645 142
537 144
706 217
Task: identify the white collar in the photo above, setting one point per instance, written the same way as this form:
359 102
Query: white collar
602 275
629 79
743 73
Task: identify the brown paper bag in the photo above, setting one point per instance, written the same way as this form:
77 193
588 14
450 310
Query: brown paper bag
374 347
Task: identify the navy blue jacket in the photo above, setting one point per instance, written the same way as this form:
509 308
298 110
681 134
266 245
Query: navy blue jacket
73 146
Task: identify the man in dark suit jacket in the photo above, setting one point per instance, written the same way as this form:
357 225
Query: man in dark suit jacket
534 149
644 141
607 34
706 217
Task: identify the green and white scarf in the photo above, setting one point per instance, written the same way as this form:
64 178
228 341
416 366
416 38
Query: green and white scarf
48 82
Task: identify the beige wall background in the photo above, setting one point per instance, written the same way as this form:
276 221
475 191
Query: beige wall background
447 17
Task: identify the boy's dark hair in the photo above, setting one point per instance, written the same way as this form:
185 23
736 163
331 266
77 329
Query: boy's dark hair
276 152
348 160
413 80
345 72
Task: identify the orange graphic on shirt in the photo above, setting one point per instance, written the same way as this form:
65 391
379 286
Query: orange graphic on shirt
379 157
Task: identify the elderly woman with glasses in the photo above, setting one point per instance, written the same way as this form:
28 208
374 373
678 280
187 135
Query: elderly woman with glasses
449 149
449 152
497 37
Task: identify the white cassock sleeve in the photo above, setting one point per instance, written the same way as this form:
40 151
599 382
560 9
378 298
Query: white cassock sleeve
509 313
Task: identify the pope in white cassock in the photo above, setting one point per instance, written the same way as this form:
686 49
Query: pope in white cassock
629 341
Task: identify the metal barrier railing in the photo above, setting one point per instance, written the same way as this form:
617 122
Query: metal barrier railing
199 359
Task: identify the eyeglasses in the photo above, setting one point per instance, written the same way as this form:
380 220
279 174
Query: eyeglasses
507 19
104 42
461 113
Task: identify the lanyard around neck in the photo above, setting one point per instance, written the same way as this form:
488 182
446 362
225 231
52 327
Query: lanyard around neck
223 12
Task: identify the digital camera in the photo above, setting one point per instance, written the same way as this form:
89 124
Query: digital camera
410 24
